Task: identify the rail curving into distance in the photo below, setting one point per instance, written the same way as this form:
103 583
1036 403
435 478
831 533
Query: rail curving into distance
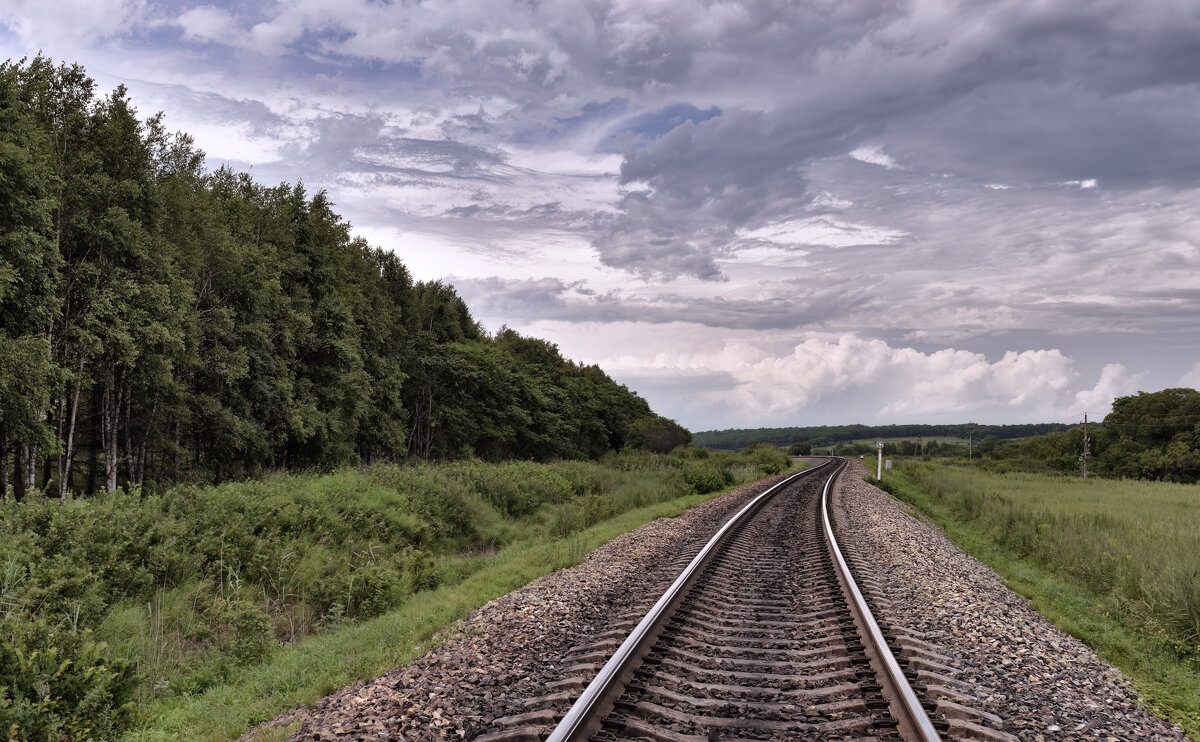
586 715
917 720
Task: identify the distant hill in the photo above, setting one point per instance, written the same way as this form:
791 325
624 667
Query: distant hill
825 435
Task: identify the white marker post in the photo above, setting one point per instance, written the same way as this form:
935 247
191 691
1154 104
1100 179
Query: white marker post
879 468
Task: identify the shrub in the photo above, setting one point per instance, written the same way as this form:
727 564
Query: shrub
800 448
702 478
769 459
60 685
657 433
249 631
371 591
419 568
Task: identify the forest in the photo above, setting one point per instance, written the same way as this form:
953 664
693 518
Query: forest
830 435
161 323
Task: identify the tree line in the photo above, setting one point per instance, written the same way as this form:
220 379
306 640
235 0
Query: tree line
161 323
829 435
1150 435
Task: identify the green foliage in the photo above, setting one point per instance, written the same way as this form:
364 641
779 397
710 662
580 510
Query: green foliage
769 459
703 478
658 434
1147 436
800 448
59 684
1152 436
196 583
245 627
300 675
217 328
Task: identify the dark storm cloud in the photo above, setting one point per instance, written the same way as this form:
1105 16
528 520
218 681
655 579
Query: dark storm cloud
756 92
1027 93
701 182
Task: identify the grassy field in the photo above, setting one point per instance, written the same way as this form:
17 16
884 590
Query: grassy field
1115 563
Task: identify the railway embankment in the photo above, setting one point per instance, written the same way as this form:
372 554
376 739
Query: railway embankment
1031 680
1045 684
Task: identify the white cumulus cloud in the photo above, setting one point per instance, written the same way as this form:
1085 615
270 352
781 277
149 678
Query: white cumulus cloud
1115 381
909 383
868 378
1191 378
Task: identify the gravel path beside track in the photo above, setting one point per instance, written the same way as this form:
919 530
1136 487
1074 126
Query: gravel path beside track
1044 684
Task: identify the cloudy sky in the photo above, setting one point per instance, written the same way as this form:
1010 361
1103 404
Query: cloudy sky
753 213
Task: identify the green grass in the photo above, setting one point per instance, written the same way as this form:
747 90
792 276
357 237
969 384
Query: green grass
1113 563
300 674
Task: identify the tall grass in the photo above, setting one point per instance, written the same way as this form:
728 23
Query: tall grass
1115 562
1138 542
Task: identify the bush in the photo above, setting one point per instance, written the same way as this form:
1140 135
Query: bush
249 631
702 478
658 434
371 591
769 459
60 685
419 569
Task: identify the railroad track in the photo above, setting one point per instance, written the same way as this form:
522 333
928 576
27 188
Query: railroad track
764 635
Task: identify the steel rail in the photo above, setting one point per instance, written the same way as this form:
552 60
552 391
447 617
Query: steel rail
906 696
580 721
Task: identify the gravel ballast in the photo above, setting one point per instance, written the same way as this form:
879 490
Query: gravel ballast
1044 685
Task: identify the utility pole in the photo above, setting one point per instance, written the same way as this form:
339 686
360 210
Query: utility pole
970 441
1083 457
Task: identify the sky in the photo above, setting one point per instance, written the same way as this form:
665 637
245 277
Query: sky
753 214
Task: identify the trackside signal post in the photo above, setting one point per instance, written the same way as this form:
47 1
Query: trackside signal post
879 465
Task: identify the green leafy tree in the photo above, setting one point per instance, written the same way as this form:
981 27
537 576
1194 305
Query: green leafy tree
159 322
658 434
29 274
1152 436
